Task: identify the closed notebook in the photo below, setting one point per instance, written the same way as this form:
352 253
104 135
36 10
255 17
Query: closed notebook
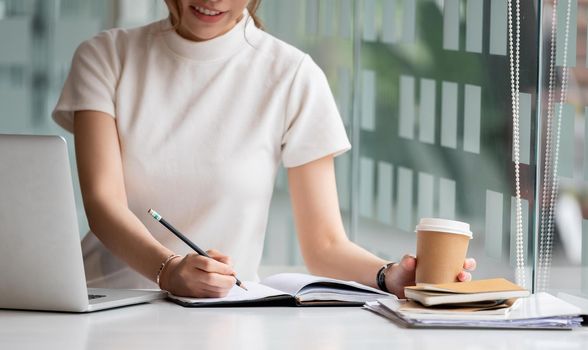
477 309
465 292
291 289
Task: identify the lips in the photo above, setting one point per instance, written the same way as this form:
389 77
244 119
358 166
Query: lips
207 15
205 11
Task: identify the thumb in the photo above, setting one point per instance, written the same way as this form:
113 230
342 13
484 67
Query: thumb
401 275
408 262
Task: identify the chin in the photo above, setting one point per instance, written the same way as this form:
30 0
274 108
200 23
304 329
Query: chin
205 36
196 30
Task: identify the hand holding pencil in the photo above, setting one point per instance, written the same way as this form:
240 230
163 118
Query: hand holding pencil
205 274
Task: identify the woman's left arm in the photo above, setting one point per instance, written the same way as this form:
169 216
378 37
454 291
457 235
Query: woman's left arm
325 247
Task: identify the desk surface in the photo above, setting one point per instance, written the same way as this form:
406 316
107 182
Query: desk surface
163 325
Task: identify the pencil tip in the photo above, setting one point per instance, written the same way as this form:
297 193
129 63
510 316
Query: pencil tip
240 284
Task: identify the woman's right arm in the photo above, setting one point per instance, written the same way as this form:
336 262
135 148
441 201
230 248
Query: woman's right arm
105 201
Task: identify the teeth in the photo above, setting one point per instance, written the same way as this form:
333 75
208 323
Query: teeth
206 11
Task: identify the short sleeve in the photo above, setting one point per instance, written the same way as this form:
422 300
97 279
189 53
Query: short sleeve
91 82
314 128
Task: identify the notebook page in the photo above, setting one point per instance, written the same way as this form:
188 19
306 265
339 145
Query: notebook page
293 283
255 291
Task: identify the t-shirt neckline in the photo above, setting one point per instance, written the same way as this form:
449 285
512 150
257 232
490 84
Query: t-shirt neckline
223 46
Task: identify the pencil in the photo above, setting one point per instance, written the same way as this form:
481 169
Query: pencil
191 244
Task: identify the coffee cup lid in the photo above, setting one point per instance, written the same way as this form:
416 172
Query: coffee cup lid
444 225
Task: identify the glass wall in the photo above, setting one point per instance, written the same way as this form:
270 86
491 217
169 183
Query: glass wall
326 31
562 265
424 90
37 42
434 126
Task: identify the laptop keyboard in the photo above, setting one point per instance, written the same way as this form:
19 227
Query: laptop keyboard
95 296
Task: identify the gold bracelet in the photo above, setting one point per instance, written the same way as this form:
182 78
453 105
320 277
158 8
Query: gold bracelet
162 267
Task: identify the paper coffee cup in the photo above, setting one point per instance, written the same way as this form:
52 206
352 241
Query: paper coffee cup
442 246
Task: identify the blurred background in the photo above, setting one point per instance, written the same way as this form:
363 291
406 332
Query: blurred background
423 87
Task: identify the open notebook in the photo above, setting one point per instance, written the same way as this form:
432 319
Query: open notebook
291 289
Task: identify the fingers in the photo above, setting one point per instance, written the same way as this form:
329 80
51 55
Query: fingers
213 281
464 276
209 265
208 285
202 277
469 264
216 255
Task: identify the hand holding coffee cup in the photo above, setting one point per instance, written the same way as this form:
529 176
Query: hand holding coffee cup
441 250
402 274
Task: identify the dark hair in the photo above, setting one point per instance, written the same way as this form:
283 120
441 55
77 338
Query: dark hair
175 12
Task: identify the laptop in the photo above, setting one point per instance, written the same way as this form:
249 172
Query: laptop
41 266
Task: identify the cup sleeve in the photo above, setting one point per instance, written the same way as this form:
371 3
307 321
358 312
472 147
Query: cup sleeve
314 128
91 82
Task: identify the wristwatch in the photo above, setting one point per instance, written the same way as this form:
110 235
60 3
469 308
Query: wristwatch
381 277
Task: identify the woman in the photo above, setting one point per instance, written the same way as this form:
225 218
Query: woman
192 116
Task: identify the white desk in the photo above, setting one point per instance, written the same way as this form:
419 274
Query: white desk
164 325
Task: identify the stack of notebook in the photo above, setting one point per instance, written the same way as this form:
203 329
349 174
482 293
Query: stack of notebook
493 303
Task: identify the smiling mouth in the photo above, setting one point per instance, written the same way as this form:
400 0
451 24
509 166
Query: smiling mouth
205 11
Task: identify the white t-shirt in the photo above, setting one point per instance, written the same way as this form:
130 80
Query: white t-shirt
203 127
